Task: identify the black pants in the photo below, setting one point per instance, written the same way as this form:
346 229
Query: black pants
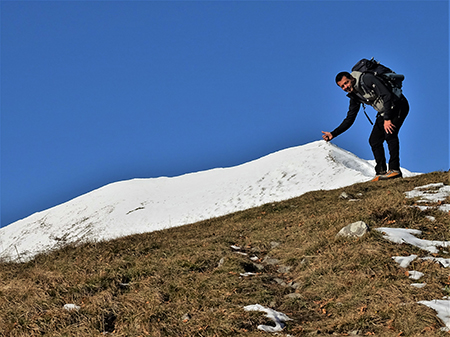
379 135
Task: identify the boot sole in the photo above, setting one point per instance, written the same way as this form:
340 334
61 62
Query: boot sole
389 178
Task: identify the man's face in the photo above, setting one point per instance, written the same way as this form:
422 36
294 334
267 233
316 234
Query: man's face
346 83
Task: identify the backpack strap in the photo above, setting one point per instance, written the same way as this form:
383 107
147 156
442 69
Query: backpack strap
365 113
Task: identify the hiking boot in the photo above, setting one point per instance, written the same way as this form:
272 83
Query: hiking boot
391 174
378 175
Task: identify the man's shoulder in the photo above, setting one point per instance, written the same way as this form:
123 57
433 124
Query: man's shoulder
353 96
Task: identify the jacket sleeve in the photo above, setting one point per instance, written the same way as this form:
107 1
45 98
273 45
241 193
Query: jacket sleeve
381 91
353 110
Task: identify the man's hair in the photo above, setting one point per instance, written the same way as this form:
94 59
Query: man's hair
341 75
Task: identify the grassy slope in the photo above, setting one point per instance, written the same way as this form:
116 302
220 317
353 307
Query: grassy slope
146 284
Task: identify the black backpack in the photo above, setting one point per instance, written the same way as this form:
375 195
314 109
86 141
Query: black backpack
385 74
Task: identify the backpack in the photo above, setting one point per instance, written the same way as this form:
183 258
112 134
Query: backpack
385 74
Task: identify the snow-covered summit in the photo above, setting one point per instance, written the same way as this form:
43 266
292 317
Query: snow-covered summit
145 205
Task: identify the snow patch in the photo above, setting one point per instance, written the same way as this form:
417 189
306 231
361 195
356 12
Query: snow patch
276 316
405 235
404 261
442 307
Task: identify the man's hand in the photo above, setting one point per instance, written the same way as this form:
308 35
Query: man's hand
388 126
327 136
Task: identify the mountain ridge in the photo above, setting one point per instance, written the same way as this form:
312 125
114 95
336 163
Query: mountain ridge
143 205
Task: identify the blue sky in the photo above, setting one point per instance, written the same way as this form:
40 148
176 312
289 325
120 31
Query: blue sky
94 92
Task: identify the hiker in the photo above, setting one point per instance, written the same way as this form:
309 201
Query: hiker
366 88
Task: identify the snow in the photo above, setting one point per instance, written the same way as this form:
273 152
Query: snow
442 307
401 235
418 285
71 306
431 193
415 275
146 205
405 235
276 316
444 262
404 261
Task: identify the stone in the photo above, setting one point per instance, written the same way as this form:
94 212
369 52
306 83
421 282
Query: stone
293 296
284 269
258 266
356 229
274 244
271 261
293 285
186 317
345 195
280 282
349 197
221 262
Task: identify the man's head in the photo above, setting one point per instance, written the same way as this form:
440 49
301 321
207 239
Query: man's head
345 81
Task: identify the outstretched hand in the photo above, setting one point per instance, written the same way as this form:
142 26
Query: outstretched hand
327 136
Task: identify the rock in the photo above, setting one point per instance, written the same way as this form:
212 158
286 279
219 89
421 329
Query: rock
356 229
293 285
293 296
306 260
345 196
280 282
221 262
271 261
284 269
349 197
186 317
274 244
258 266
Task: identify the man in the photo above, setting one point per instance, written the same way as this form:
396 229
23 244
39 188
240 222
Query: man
365 88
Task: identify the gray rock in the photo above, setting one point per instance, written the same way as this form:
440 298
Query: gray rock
349 197
306 260
186 317
271 261
293 296
284 269
293 285
274 244
258 266
345 195
280 282
356 229
221 262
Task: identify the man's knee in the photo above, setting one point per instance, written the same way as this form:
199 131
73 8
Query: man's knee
375 141
393 143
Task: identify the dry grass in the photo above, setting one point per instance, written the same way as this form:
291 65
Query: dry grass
169 283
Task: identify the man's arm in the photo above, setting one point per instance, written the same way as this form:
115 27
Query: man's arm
353 110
